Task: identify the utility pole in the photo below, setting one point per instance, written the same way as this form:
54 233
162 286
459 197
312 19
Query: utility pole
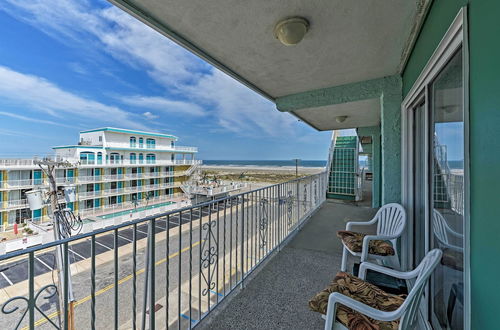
297 160
49 166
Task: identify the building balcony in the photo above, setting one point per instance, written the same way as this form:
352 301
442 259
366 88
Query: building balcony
202 254
145 147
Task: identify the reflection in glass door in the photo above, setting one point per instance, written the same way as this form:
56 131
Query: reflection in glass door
447 195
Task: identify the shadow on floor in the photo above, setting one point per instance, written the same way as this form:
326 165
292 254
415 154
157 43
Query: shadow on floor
277 296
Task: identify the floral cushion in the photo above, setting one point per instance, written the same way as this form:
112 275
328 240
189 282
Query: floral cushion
354 242
364 292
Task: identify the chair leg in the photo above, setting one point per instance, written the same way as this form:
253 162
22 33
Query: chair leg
343 266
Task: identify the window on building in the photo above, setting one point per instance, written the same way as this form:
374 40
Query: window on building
100 138
132 142
141 142
87 157
114 158
99 158
150 143
141 158
132 158
150 159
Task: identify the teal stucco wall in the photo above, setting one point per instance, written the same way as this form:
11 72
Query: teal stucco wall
484 147
388 91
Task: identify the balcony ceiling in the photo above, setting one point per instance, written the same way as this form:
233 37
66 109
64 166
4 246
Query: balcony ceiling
347 41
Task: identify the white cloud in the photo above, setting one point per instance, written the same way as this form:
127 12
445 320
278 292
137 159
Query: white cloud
163 104
34 120
197 85
39 94
150 115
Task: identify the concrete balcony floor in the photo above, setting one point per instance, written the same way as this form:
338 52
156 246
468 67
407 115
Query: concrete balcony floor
277 296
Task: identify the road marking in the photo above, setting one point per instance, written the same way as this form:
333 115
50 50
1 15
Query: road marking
111 286
125 238
43 263
77 254
107 247
6 278
140 231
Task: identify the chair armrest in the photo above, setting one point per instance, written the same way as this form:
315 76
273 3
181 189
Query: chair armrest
360 223
366 244
384 270
454 233
338 298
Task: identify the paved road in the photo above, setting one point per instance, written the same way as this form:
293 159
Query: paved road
180 258
15 272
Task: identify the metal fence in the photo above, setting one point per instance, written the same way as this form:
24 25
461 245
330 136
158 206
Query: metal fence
167 271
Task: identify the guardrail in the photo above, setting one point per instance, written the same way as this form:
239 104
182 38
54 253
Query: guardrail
194 258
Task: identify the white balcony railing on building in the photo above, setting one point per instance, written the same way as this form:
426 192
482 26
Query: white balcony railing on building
17 203
65 180
89 194
136 162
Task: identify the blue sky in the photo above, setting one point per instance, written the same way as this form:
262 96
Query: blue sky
70 65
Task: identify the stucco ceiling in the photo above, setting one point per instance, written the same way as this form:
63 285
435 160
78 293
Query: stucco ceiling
359 114
347 42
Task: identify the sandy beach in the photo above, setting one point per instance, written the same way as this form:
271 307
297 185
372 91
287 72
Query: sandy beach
261 174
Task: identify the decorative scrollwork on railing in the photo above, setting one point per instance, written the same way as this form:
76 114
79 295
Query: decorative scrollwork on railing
263 221
9 310
209 255
289 207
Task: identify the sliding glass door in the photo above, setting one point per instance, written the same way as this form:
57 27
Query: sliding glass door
447 194
436 175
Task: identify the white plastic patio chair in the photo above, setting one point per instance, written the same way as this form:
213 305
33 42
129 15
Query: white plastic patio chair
443 232
406 313
391 222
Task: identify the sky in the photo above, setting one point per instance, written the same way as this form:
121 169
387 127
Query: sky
67 66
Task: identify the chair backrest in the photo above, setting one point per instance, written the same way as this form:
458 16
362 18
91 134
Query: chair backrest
391 219
411 304
439 226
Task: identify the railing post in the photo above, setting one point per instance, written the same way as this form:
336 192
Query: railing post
279 217
242 240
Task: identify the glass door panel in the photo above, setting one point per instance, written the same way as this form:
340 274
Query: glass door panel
420 183
447 195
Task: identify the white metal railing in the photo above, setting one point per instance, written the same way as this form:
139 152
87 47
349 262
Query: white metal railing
134 175
17 202
16 162
67 180
114 177
24 182
113 191
87 194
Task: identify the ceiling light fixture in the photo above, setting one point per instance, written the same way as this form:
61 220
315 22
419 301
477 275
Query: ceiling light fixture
291 31
340 119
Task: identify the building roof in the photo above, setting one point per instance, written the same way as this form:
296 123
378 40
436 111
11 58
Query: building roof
129 131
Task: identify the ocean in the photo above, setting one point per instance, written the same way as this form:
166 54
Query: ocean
303 163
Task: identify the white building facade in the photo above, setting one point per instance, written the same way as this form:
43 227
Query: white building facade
114 170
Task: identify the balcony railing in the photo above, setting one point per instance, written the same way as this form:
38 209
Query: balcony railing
17 203
193 259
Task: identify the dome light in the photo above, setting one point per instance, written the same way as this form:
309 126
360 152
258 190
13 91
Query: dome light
291 30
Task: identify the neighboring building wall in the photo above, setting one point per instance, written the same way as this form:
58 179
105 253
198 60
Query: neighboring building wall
484 119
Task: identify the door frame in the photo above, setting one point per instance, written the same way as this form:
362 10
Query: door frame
455 37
